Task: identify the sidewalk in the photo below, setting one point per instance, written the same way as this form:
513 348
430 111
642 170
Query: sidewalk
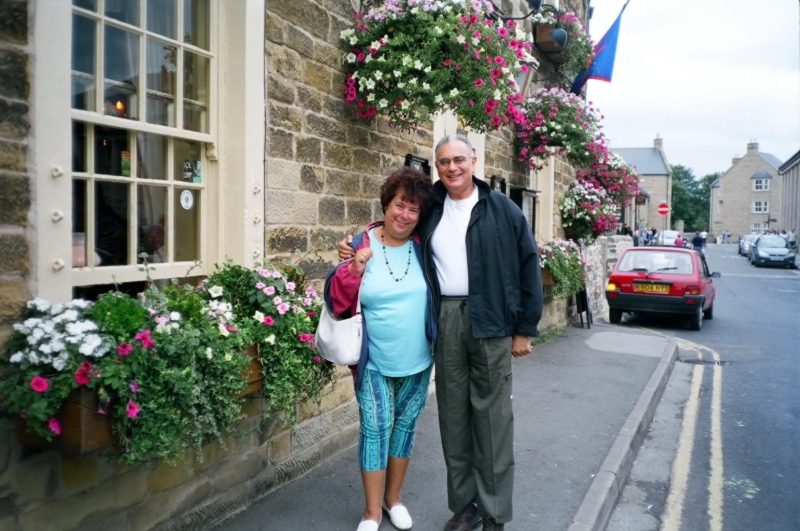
572 397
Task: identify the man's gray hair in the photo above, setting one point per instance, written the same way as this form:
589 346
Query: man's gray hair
449 138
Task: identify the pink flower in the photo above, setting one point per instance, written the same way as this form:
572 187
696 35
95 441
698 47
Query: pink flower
144 338
260 285
134 387
448 62
305 338
269 321
307 301
84 374
54 426
317 359
503 33
269 290
231 328
311 292
478 83
290 286
124 349
132 410
263 272
458 68
277 300
361 57
496 120
283 308
276 274
499 61
162 320
40 384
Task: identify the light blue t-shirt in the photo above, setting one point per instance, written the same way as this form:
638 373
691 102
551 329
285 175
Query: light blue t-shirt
395 311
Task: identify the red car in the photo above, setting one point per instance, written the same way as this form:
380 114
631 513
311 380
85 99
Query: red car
662 280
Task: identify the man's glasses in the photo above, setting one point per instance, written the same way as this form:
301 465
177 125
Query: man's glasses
444 163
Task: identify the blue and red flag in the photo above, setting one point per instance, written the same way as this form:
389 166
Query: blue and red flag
601 63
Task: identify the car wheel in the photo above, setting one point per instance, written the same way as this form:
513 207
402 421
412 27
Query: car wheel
615 316
709 314
696 320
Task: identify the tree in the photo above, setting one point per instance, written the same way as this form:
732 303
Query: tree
690 197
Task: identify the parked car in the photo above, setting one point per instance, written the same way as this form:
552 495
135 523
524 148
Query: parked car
667 238
662 280
770 250
744 243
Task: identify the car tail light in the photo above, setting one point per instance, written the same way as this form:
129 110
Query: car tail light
693 290
611 287
691 301
613 295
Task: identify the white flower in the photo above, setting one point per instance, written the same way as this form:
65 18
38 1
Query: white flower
401 85
475 41
163 328
209 353
378 75
454 93
397 73
368 58
370 84
427 69
350 58
461 39
438 98
418 64
383 103
59 364
381 59
45 349
412 81
175 316
346 33
215 291
498 95
270 339
371 97
447 9
376 45
353 40
16 357
223 330
414 10
405 104
33 358
425 86
406 60
437 30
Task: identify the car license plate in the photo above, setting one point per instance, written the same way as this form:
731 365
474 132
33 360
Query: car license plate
776 258
651 288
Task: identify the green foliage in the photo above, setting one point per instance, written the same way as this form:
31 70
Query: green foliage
118 315
563 259
691 197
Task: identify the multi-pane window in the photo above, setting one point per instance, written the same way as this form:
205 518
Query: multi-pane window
756 227
142 75
761 185
760 207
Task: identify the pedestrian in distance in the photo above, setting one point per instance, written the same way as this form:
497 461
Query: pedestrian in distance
394 369
704 235
679 241
483 264
698 242
636 238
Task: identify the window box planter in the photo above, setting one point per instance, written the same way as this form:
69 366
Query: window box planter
83 429
547 277
253 373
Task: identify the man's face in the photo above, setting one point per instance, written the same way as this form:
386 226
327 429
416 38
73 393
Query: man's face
456 174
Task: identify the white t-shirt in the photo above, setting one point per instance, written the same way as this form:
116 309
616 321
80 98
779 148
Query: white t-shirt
449 244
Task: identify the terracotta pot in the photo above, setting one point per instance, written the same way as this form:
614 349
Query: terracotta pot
253 373
546 43
83 430
547 277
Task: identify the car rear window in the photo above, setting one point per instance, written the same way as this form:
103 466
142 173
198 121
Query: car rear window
674 263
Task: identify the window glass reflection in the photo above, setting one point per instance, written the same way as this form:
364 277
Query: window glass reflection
187 225
123 10
91 5
112 155
161 71
111 222
162 17
83 62
79 147
195 23
151 223
121 73
151 156
188 166
195 92
78 223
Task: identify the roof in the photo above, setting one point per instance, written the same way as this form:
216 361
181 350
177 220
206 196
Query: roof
794 160
647 161
761 175
644 193
716 184
772 159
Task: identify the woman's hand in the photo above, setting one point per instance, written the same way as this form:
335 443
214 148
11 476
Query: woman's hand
359 263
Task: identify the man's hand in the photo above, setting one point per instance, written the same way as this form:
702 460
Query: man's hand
359 263
345 251
520 346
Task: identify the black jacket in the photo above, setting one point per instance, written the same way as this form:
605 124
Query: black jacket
505 278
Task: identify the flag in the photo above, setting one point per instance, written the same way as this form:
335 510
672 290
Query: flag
601 63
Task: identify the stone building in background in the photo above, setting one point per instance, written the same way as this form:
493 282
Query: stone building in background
656 183
790 173
748 196
206 130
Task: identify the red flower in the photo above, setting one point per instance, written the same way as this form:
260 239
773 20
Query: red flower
124 349
144 338
269 321
54 426
40 384
448 62
84 374
478 83
132 410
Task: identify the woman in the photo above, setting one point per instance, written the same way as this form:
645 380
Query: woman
679 241
392 376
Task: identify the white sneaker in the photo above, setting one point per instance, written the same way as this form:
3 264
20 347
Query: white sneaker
399 516
368 525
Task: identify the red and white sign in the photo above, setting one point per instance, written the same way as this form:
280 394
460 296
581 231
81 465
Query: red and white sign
663 209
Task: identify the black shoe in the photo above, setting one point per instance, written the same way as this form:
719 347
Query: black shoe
490 525
466 520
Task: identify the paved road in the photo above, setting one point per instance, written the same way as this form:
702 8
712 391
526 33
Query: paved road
723 449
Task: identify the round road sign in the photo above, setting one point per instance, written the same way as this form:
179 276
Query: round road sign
663 209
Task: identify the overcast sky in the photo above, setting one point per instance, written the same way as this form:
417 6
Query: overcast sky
707 75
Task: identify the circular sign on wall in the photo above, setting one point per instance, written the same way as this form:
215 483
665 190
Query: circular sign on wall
663 209
187 200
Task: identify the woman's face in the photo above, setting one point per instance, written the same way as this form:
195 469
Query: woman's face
401 217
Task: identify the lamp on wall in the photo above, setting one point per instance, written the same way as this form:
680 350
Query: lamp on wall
558 34
418 163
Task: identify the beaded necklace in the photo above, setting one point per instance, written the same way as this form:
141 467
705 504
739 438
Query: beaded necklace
386 259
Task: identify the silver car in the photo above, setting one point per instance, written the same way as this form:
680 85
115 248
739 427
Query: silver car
744 244
770 250
666 238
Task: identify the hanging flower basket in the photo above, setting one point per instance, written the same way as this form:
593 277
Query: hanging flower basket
411 60
587 212
547 277
560 121
562 262
620 181
579 48
84 426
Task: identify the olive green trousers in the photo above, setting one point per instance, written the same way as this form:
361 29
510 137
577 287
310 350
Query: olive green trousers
473 392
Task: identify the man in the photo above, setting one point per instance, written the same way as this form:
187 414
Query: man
698 242
704 235
791 238
726 237
484 265
636 238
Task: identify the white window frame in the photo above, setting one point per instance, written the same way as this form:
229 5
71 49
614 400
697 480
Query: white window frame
760 207
239 156
755 227
761 185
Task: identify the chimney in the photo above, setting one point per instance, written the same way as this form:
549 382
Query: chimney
752 146
658 143
736 159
